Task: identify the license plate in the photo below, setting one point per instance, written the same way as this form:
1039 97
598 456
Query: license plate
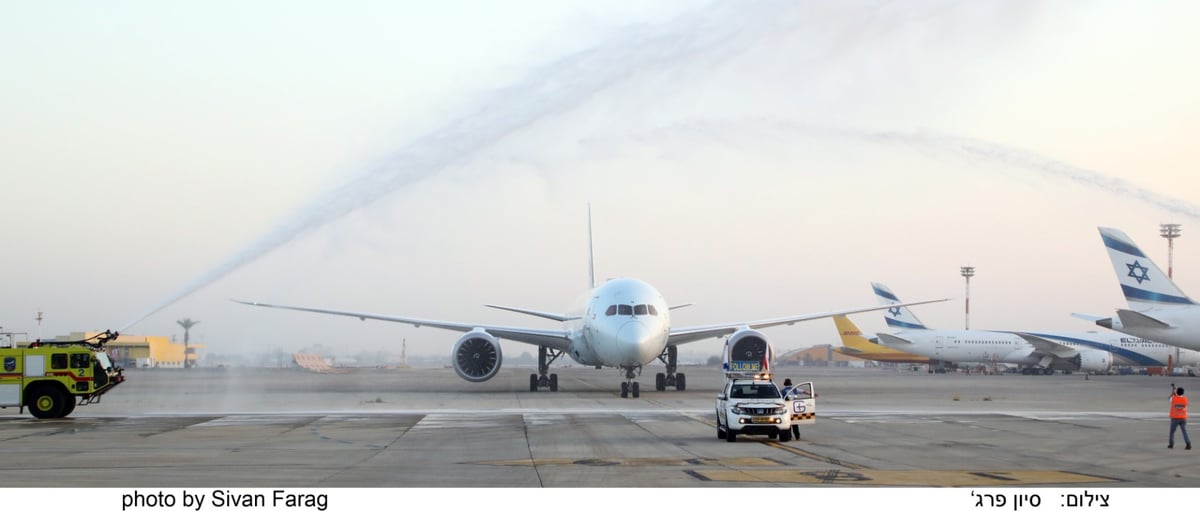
761 419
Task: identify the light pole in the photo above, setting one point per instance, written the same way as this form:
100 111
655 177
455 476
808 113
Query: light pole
1170 232
967 272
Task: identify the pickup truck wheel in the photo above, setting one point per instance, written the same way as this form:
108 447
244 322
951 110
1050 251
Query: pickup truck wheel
720 431
46 402
730 436
785 436
772 435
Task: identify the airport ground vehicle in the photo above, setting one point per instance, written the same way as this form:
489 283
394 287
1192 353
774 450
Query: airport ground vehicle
751 404
52 377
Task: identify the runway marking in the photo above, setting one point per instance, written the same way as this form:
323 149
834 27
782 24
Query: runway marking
921 478
643 462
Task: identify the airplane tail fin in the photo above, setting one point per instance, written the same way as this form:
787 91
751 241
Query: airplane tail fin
897 317
852 337
1145 285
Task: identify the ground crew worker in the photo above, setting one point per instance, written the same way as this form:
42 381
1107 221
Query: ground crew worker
1178 416
787 390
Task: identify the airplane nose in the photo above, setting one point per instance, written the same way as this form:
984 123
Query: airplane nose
634 339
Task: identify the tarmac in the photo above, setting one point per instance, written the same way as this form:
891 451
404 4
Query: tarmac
425 427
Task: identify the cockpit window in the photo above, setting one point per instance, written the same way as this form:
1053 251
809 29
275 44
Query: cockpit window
612 310
653 310
625 310
639 309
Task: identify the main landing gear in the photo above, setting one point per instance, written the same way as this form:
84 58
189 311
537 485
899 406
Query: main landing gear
662 381
629 387
543 378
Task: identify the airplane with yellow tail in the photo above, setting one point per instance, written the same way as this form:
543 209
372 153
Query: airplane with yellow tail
854 344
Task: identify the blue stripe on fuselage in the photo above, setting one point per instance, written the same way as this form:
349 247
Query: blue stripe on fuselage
1138 358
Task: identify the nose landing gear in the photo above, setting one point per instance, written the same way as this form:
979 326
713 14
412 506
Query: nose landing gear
629 387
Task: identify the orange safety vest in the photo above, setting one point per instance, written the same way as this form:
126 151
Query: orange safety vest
1178 407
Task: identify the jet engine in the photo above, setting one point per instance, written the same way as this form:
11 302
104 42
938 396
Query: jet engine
476 356
747 350
1098 361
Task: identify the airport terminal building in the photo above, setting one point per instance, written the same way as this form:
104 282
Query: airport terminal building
143 351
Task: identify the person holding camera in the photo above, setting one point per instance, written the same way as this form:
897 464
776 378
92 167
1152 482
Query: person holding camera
1178 416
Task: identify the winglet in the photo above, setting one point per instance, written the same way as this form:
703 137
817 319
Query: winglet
591 257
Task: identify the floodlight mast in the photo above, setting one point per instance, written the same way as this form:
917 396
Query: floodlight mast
967 272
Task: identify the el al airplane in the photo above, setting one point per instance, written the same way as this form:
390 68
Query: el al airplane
623 323
1158 309
1034 352
856 345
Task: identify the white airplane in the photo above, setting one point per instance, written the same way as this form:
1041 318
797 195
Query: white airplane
1036 352
623 323
1158 309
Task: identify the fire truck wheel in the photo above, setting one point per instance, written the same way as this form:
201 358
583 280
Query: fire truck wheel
68 407
47 402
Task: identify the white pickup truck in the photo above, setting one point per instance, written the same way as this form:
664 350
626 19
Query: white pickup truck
752 406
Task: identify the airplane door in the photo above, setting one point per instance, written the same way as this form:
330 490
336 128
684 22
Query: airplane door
804 404
939 346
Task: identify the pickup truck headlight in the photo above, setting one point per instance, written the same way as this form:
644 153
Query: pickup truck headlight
738 410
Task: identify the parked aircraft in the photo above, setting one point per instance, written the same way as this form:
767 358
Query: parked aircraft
1158 309
856 345
1034 351
623 323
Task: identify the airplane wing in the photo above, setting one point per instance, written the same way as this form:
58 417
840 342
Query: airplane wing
690 334
891 339
1047 344
1090 318
556 339
1130 318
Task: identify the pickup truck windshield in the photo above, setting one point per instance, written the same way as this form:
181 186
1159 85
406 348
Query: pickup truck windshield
754 391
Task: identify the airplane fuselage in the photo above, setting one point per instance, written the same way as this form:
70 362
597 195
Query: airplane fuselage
1184 324
970 346
622 323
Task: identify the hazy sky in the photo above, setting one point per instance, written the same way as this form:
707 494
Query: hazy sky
757 159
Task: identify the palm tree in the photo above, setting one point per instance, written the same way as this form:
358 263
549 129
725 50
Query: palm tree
187 324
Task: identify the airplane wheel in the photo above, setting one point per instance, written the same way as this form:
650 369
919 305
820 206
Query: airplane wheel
553 382
660 382
680 382
633 390
785 436
1048 371
624 390
533 382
